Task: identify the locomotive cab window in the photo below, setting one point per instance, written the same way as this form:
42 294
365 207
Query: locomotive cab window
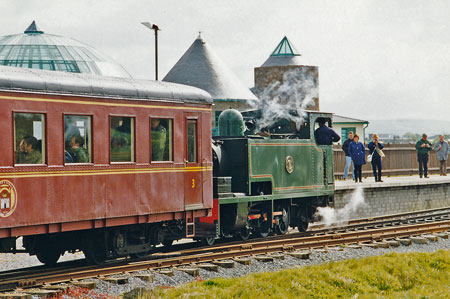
192 141
122 139
161 139
29 138
77 137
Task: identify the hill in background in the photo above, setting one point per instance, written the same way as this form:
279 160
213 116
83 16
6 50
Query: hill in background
402 126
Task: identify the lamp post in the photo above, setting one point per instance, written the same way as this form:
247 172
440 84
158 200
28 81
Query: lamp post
156 28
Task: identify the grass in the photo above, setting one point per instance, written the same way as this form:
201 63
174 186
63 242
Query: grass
394 275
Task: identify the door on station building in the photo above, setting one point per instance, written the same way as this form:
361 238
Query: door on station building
193 184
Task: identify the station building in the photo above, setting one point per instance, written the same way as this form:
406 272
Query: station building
38 50
201 67
342 125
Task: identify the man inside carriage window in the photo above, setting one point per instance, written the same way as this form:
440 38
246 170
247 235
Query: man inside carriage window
77 151
28 151
159 134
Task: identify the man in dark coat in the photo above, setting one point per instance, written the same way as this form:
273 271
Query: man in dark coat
325 135
423 146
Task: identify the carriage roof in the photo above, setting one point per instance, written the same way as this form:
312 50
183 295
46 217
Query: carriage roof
62 83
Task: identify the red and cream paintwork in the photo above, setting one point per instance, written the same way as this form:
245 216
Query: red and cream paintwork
56 197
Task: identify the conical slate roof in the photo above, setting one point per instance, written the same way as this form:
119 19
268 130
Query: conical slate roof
201 67
285 54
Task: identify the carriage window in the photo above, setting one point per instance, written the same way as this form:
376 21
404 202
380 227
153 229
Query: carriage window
29 136
192 140
77 137
122 139
162 132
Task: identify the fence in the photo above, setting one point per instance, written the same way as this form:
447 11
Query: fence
401 159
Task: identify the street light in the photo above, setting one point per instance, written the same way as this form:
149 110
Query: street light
156 28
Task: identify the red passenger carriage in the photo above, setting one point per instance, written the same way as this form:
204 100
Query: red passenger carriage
110 166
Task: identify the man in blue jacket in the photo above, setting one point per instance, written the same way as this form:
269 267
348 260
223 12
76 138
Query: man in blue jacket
348 159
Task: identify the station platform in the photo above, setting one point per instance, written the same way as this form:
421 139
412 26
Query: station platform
397 181
397 194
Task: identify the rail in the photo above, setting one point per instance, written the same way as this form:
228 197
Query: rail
372 230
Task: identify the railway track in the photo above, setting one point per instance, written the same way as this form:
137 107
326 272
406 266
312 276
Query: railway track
361 231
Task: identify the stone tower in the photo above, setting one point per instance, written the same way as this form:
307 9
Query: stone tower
285 58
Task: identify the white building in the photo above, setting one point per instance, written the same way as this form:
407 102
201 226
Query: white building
342 125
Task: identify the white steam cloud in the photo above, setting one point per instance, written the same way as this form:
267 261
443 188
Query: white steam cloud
297 92
339 217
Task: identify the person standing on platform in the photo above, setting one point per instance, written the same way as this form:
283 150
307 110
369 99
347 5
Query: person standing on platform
423 146
358 153
348 159
375 147
442 150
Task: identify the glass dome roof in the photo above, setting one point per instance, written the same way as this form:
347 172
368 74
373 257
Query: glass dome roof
38 50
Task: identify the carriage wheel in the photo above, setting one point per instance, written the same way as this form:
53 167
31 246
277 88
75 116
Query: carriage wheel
48 256
95 253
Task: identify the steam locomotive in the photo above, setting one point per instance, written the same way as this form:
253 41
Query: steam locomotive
266 184
115 167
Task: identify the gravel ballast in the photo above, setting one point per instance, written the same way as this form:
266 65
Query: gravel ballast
10 261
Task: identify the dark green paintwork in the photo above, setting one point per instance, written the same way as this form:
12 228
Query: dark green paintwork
266 162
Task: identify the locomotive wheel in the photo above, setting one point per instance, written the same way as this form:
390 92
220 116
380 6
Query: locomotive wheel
208 241
264 230
303 220
244 233
283 224
167 243
48 256
141 255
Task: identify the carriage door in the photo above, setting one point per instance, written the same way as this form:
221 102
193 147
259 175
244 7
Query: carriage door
193 189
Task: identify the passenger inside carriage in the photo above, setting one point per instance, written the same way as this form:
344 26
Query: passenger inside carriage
122 139
78 153
159 138
77 138
28 151
29 132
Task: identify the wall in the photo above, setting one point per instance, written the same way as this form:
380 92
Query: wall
385 199
401 159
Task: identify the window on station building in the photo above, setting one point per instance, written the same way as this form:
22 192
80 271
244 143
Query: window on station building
77 136
162 139
345 131
192 141
29 138
122 139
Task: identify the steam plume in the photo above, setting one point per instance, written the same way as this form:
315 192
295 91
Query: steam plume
339 217
297 92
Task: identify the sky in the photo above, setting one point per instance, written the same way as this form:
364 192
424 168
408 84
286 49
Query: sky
376 59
